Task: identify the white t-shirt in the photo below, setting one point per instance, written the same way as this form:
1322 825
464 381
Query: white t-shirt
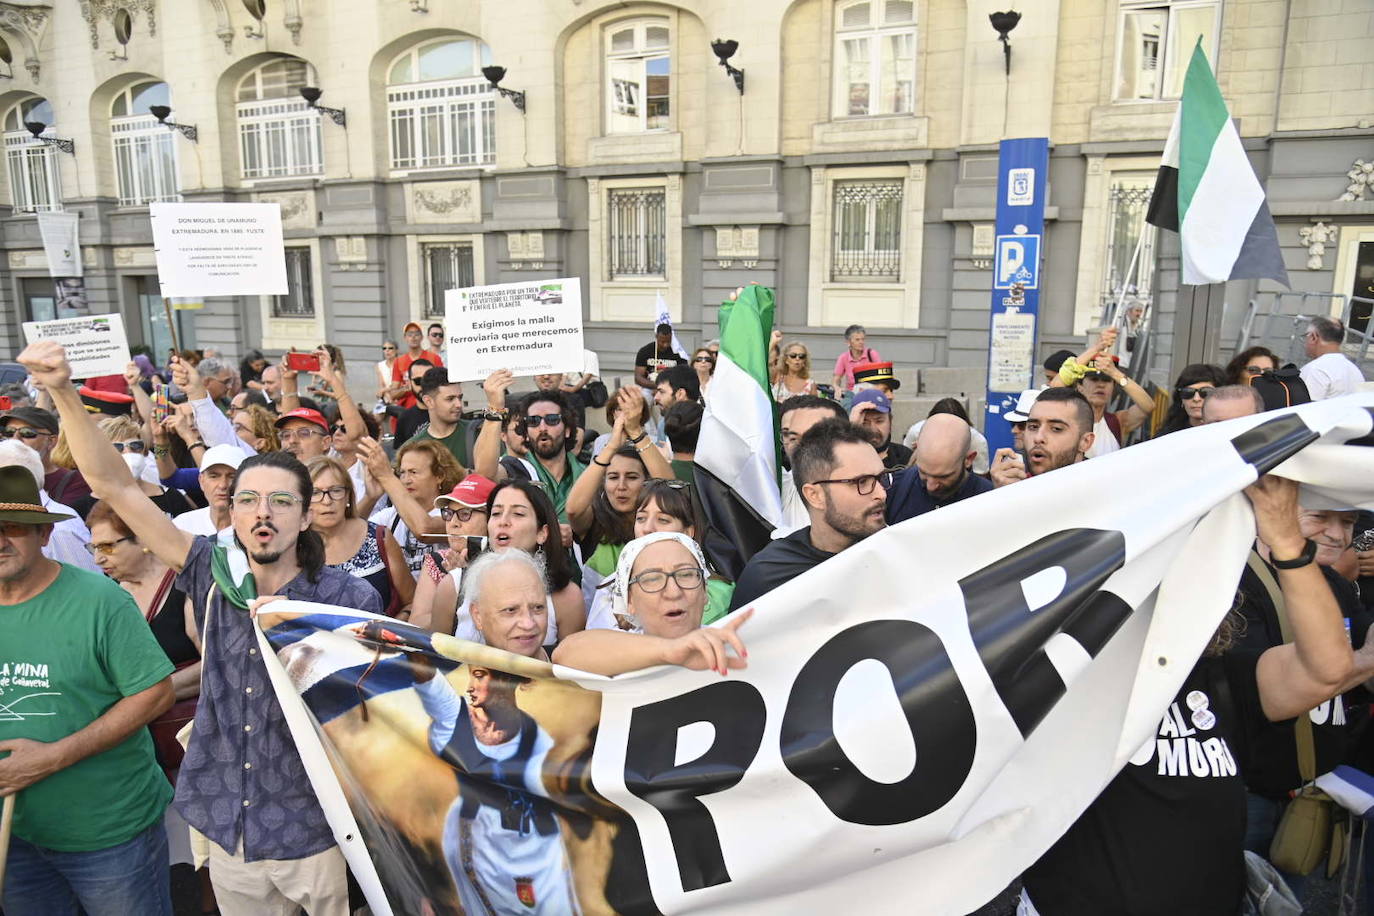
197 521
1104 443
1330 376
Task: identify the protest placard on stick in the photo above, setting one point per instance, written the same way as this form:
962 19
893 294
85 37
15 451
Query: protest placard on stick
528 328
218 249
95 344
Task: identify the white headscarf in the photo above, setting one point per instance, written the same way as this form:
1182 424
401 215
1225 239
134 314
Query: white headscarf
624 567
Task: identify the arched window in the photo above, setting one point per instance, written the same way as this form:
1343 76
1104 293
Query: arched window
32 165
638 76
441 108
279 135
875 58
144 150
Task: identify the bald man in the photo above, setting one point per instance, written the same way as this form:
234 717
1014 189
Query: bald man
940 472
1231 401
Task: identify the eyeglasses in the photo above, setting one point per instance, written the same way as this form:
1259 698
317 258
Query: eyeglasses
864 483
796 356
416 381
462 513
1188 394
291 435
137 446
23 432
655 581
104 548
534 421
332 494
386 347
436 335
278 501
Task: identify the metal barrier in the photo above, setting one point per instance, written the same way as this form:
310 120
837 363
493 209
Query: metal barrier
1278 320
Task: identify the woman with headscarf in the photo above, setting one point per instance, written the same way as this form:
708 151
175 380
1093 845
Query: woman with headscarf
660 585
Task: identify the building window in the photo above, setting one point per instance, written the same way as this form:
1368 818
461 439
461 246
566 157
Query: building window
299 301
638 232
447 266
441 109
638 76
875 58
279 135
32 165
1128 273
1156 43
144 150
867 240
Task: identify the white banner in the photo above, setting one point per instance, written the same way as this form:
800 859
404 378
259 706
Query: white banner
921 717
95 344
218 249
528 328
59 232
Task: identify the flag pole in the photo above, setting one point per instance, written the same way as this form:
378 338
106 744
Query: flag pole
6 822
171 324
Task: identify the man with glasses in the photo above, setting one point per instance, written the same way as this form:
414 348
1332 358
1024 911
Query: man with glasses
549 421
1329 373
796 415
221 380
242 785
443 400
844 486
85 677
37 428
218 467
305 433
403 394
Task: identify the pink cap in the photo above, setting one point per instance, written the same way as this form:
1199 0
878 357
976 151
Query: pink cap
473 492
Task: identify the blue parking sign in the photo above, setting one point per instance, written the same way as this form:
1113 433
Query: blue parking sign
1017 261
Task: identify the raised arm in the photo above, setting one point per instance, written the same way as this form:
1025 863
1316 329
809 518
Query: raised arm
486 451
290 382
98 461
584 489
415 516
1317 664
348 408
1142 405
611 652
214 426
635 409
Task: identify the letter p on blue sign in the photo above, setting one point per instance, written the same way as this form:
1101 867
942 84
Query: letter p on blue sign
1017 261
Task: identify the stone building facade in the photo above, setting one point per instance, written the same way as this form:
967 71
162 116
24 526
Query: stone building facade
855 172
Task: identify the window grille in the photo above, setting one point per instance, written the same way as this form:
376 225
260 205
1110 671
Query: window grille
145 161
1127 201
442 124
33 173
299 301
279 138
867 237
637 226
447 267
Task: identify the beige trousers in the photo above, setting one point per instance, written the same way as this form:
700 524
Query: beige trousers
279 887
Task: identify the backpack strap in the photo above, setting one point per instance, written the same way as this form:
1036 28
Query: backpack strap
1302 725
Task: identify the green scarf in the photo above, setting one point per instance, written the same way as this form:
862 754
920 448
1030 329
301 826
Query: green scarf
229 568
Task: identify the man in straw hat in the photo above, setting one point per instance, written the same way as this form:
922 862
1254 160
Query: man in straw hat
80 676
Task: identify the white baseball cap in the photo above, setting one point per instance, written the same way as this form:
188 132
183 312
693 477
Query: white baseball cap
228 455
1024 402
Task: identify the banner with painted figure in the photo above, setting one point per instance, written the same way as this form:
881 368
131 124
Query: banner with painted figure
920 718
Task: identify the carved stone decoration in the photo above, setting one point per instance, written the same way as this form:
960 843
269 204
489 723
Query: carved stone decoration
224 28
1361 177
18 258
351 252
95 10
1316 238
27 24
293 20
526 246
297 208
737 243
984 241
446 202
135 257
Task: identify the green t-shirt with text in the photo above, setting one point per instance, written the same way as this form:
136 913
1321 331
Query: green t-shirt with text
66 656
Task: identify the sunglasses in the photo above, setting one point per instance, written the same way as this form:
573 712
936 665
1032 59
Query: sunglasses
137 446
23 432
796 356
703 359
534 421
1188 394
106 548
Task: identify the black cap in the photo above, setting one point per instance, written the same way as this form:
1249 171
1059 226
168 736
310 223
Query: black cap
1056 359
36 417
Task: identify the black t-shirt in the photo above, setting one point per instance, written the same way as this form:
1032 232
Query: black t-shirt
1167 834
781 561
408 424
896 456
655 360
1272 746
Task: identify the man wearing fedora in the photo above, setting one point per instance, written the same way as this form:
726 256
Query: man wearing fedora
81 675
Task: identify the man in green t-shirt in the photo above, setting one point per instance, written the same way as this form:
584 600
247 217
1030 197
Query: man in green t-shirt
444 401
80 677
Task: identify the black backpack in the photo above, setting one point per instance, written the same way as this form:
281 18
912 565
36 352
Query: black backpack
595 393
1281 387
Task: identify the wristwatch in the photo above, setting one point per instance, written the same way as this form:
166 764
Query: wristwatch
1309 553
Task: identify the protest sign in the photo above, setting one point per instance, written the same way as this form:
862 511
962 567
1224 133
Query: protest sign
218 249
95 344
921 717
528 328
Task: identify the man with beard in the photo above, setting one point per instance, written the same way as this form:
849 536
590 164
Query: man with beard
844 485
271 848
549 419
871 410
796 415
1059 433
941 472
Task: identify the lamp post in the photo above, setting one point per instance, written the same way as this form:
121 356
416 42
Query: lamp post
725 49
312 94
162 112
1004 23
37 127
494 76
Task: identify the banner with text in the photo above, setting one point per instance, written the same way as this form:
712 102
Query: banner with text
95 344
528 328
218 249
59 232
921 717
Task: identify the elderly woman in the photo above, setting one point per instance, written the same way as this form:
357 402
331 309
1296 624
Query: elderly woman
661 585
358 547
464 511
257 427
423 469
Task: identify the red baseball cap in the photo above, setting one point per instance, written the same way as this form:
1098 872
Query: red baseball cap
304 413
473 492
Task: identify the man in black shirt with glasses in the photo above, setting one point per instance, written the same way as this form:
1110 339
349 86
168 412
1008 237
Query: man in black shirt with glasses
844 485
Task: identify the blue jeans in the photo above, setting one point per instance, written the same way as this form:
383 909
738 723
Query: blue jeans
132 877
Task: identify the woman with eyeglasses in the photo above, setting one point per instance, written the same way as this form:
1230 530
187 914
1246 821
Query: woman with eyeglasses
1249 364
257 427
792 372
464 512
520 516
660 585
422 470
1194 385
128 440
360 548
704 362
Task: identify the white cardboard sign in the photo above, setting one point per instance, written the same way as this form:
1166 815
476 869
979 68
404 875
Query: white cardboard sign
528 328
219 249
95 344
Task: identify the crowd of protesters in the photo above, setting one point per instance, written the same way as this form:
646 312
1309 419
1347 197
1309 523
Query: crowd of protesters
543 525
